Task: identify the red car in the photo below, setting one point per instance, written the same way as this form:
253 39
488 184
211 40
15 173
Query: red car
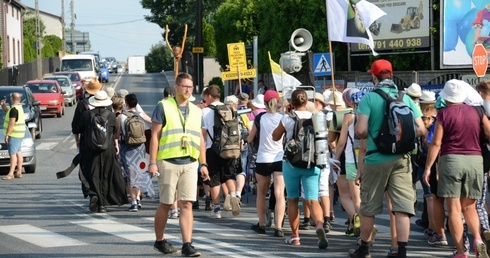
50 95
77 80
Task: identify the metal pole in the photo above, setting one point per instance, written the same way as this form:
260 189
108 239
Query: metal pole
72 25
63 44
199 43
38 44
256 63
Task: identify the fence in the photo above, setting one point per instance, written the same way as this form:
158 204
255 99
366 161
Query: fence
20 74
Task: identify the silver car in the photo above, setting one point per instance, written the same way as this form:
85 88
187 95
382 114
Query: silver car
28 150
67 86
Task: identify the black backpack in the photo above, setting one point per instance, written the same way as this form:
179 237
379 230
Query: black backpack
300 150
397 134
226 130
484 142
97 138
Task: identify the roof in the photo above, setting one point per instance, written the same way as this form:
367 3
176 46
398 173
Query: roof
17 4
41 81
44 13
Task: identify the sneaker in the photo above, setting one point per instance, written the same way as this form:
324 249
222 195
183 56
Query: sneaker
227 203
235 206
357 253
350 232
304 226
480 249
215 214
189 251
258 229
429 232
174 214
93 204
134 207
164 247
278 232
327 226
486 239
437 240
421 223
208 204
195 205
356 223
139 203
322 238
102 209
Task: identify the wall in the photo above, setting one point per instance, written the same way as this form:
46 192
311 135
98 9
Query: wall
15 54
211 69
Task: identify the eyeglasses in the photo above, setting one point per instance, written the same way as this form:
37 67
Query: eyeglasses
186 87
428 118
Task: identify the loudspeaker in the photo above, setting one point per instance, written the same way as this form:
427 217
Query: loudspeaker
301 40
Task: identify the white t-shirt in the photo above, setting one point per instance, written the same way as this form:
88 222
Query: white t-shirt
269 150
349 155
289 122
208 119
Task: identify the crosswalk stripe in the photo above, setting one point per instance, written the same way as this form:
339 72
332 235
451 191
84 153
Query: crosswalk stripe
213 247
39 236
126 231
46 145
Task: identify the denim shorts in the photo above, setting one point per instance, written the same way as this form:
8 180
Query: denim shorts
14 145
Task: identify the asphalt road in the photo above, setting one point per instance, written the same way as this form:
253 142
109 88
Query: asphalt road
41 216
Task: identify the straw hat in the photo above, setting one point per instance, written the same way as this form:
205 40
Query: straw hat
319 97
93 86
337 95
100 99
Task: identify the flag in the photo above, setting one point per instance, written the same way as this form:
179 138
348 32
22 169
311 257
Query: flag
349 21
282 80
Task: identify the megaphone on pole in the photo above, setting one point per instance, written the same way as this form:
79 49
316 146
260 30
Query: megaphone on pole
301 40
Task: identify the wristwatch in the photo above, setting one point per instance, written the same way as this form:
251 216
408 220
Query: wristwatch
204 165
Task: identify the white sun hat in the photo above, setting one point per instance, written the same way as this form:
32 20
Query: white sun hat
414 90
100 99
258 101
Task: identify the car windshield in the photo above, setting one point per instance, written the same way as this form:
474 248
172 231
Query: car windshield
42 87
73 76
61 81
76 65
5 94
102 65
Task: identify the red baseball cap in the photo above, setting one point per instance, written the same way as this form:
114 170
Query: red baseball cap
381 66
271 94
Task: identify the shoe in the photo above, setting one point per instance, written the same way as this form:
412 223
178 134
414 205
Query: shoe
278 232
93 204
235 206
437 240
373 236
486 239
322 238
195 205
189 251
207 204
480 249
350 232
332 217
227 203
139 203
393 252
215 215
304 226
465 255
18 175
421 223
164 247
134 207
292 241
357 253
174 214
8 177
356 223
258 229
429 232
102 209
327 226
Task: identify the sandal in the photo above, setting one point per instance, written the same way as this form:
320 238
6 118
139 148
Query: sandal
8 177
292 241
18 175
393 252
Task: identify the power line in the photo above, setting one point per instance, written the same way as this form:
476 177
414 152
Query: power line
124 32
109 24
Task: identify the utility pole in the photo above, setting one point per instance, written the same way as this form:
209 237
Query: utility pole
63 39
199 43
73 42
38 44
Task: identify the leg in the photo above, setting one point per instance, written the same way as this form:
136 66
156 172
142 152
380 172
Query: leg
280 206
262 188
455 223
186 221
13 164
20 161
393 223
345 197
161 217
293 215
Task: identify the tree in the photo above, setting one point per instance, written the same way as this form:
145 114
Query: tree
209 42
52 46
29 36
159 59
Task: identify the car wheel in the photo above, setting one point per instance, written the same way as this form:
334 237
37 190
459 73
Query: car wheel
60 113
40 126
63 111
31 169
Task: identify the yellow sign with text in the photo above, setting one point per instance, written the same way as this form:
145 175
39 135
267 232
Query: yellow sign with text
198 50
233 75
236 56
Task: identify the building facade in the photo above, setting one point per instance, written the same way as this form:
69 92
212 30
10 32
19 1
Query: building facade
11 32
52 23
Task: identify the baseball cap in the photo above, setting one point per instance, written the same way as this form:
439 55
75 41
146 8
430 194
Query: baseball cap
381 66
271 94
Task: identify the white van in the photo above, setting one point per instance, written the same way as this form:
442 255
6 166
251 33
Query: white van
86 65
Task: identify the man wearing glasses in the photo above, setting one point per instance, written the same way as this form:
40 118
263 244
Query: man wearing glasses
175 147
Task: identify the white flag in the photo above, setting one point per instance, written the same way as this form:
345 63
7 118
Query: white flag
282 80
349 21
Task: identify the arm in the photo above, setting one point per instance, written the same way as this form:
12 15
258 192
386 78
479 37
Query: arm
360 160
486 126
361 128
251 134
343 135
434 148
278 132
156 129
4 107
202 156
420 130
10 128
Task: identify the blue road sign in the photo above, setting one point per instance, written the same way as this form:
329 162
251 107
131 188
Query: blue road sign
321 64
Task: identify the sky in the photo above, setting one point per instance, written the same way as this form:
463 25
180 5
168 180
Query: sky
116 27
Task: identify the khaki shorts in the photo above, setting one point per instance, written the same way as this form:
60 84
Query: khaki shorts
460 176
393 176
177 179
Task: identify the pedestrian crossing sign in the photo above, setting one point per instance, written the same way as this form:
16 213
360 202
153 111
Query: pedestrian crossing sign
321 64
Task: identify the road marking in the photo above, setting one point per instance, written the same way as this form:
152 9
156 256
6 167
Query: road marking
39 236
126 231
46 146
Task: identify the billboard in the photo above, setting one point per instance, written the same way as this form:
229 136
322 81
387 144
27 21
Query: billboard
405 26
463 24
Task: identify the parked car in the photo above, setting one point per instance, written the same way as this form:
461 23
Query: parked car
28 149
66 86
104 73
32 111
49 93
77 81
120 69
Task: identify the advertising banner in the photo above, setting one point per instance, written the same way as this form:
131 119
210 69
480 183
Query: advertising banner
406 26
463 24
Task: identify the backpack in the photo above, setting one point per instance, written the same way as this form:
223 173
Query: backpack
300 150
97 135
484 143
134 128
397 133
226 140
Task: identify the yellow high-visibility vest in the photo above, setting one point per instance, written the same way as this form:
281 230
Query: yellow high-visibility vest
19 130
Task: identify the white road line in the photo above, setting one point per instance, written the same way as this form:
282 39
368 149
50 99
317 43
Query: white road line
213 246
46 145
126 231
39 236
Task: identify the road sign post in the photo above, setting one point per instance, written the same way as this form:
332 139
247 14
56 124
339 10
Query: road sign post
480 60
238 64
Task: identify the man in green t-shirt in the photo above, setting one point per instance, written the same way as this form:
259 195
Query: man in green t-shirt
383 172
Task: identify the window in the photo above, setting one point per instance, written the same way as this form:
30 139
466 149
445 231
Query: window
8 48
6 8
18 51
13 12
13 49
18 14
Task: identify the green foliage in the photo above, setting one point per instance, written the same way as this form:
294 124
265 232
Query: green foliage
159 59
218 81
52 45
209 41
29 31
29 50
